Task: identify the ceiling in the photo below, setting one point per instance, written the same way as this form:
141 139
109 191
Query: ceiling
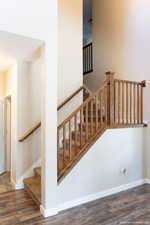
14 47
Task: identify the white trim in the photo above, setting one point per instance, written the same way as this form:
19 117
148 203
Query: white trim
146 181
92 197
17 186
98 195
48 212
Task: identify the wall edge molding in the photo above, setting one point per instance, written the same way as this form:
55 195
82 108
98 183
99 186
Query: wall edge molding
48 212
18 186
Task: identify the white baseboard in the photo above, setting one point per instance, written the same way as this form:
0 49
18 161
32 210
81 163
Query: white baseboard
48 212
102 194
18 186
92 197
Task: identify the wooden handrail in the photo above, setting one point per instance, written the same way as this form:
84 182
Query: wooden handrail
33 129
73 95
87 89
28 133
83 104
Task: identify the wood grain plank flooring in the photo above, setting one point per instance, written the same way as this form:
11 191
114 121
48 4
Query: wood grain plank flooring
129 208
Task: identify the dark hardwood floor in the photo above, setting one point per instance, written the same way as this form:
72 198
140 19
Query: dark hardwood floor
5 184
129 208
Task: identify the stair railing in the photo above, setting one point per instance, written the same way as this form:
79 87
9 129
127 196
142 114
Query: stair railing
29 132
38 125
128 106
81 127
82 88
116 103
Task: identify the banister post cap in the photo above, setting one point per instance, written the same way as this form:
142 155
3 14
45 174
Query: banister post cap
110 74
143 83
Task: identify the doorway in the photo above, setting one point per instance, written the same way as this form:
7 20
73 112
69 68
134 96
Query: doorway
5 142
7 112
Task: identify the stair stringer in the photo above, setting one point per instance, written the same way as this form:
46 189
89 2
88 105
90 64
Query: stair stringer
81 154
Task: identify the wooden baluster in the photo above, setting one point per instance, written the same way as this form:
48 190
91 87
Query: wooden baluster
131 103
119 103
87 120
127 103
142 105
58 147
143 84
75 132
134 99
115 100
70 141
138 103
81 127
101 108
96 112
110 78
105 90
92 117
123 106
64 144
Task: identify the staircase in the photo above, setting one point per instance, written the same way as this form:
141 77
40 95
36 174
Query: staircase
116 104
33 186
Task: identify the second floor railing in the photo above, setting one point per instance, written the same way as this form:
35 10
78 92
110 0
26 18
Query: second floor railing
88 58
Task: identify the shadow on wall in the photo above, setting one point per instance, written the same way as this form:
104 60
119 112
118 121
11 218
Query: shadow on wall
110 19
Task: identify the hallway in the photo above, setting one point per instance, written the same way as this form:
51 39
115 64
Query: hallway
128 207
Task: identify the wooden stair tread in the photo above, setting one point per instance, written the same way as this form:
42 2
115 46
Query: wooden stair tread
37 171
33 187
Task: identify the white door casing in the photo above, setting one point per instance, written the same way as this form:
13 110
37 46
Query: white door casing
2 139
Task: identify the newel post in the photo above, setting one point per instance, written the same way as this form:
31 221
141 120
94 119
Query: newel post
111 98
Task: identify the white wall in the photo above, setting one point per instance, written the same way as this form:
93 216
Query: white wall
121 44
34 22
100 169
70 38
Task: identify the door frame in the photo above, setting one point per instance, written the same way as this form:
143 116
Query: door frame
6 99
3 166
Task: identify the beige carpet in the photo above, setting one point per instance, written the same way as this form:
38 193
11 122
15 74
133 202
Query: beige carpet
5 184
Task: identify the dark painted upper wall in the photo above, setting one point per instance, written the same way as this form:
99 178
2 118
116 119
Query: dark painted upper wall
87 26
